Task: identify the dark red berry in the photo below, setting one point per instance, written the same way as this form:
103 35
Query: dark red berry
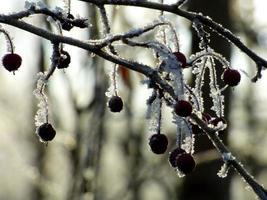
46 132
64 60
183 108
185 163
181 58
231 77
174 156
11 61
66 25
115 104
158 143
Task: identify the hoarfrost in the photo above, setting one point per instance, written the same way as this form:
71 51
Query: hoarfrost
154 115
41 116
222 173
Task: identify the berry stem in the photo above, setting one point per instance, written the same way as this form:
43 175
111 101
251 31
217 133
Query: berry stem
107 31
114 82
10 45
160 114
217 142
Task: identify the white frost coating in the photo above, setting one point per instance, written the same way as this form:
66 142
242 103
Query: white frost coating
188 144
227 157
183 130
215 93
153 114
222 173
171 65
113 77
206 53
179 173
220 126
29 4
41 116
41 5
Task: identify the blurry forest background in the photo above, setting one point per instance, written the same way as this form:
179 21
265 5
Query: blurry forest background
98 155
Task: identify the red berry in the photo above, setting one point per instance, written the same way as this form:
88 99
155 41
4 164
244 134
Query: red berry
46 132
66 25
174 155
185 163
158 143
183 108
64 60
231 77
181 58
115 104
11 61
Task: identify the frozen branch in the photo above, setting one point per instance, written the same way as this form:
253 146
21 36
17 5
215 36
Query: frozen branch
191 16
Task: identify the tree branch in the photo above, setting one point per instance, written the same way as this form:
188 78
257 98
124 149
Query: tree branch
191 16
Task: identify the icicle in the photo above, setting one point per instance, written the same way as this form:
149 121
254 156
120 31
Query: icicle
41 116
183 130
113 77
215 94
154 115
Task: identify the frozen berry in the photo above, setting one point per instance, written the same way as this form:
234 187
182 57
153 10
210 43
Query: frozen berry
174 155
11 61
64 60
181 58
115 104
231 77
185 163
66 25
158 143
183 108
46 132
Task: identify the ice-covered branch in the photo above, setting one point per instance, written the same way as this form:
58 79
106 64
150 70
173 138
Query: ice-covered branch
217 142
206 21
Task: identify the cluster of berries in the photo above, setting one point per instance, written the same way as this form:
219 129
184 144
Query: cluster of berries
179 158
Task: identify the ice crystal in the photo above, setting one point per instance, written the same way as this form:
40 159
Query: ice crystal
113 76
215 94
154 115
41 116
41 5
188 144
227 156
222 173
202 34
67 5
183 130
179 173
171 65
29 5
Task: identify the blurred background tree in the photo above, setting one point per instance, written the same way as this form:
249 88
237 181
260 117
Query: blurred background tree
103 156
